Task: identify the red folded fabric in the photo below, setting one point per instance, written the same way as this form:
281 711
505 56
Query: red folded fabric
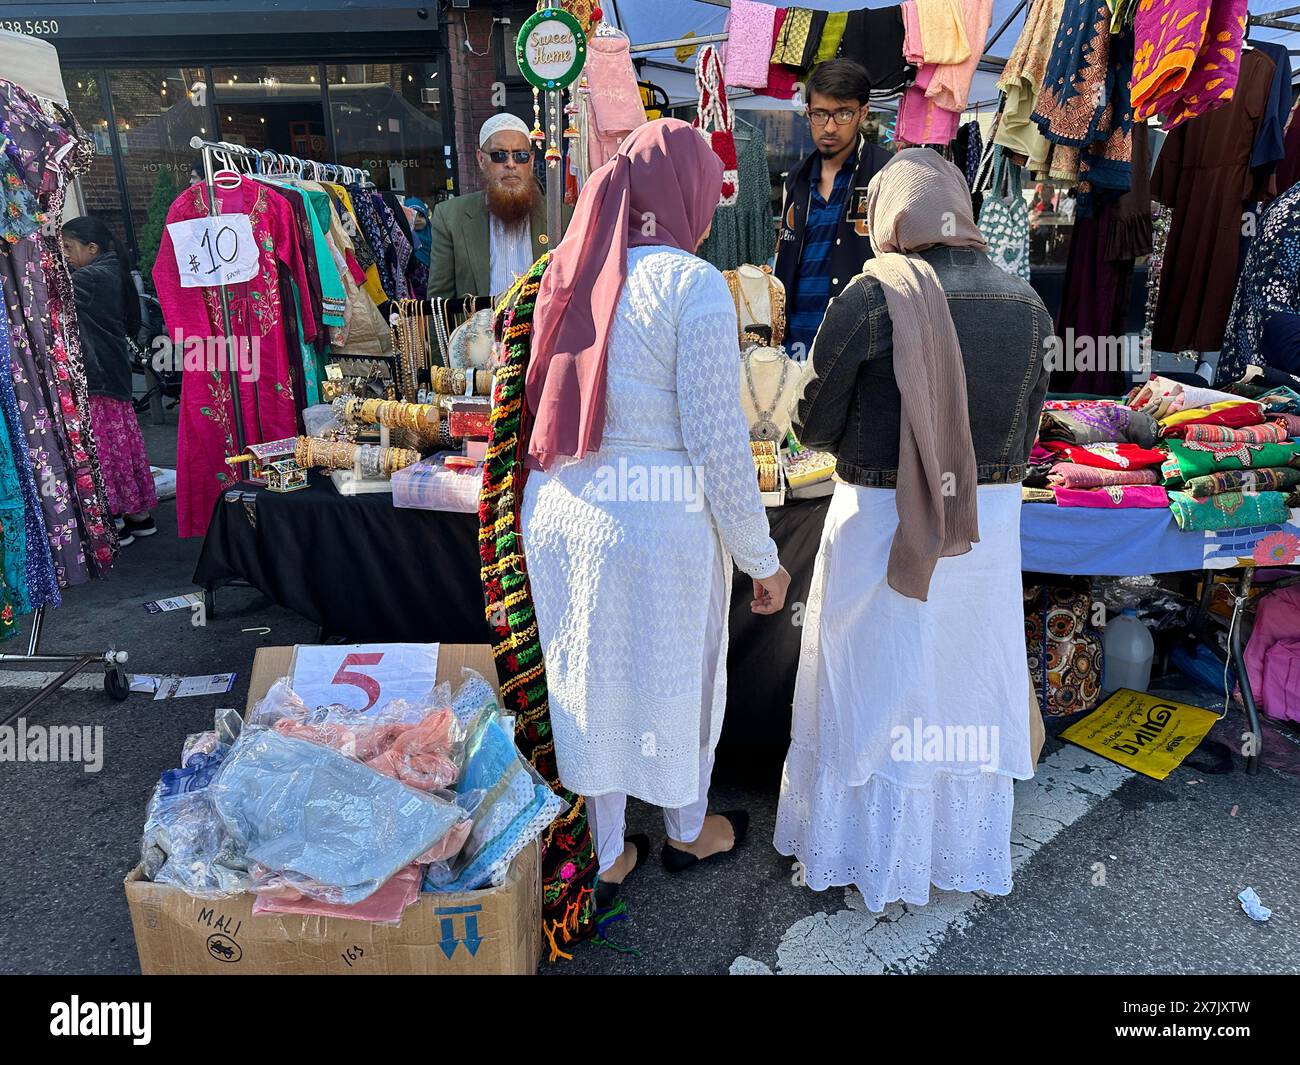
1107 456
781 80
1235 417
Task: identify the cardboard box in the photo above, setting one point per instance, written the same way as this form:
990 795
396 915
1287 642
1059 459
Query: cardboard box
491 932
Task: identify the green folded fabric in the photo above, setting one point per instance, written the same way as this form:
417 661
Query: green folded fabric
1270 479
1230 510
1188 460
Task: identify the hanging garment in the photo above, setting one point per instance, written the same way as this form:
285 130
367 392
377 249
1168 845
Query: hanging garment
796 44
713 119
832 36
744 232
1269 284
46 370
29 566
913 52
1288 170
781 80
1188 57
1105 164
751 27
1270 147
1073 95
920 119
257 314
874 38
943 32
1022 80
1094 306
615 98
1203 174
950 86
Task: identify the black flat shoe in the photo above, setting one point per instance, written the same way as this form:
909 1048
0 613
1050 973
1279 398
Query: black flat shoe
606 893
678 861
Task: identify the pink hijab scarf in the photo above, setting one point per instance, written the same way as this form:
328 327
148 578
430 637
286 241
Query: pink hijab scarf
660 189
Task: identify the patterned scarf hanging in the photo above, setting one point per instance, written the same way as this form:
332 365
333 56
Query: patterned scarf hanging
715 121
568 858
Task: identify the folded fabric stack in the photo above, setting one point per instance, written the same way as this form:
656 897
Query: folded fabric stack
1230 484
1231 462
1102 454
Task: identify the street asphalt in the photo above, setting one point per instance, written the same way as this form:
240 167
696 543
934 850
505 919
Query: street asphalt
1114 872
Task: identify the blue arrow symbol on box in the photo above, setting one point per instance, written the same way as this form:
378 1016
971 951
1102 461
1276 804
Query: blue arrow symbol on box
448 942
472 938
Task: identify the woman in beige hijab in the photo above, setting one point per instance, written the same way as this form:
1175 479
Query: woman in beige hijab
926 381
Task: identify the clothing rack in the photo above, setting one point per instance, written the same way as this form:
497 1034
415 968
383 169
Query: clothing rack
116 683
261 162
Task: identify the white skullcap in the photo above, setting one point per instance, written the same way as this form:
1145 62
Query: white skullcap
499 123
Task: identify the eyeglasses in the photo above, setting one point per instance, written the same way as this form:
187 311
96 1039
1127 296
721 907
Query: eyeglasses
842 117
522 158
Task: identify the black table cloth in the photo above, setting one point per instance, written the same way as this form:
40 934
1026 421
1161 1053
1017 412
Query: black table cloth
368 572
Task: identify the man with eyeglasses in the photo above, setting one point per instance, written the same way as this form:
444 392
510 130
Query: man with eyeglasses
484 240
824 238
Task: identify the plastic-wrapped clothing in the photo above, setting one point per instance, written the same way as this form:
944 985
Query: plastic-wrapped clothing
517 806
186 844
328 825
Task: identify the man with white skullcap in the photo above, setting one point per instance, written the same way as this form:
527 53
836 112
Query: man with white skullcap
484 240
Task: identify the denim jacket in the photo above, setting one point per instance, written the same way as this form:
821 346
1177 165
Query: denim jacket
849 403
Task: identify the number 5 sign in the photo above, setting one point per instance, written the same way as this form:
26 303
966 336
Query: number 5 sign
364 676
214 251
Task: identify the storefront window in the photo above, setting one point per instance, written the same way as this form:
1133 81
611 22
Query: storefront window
277 107
100 190
158 110
387 119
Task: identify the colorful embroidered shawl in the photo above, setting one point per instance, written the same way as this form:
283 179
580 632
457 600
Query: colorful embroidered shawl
1188 460
568 858
1274 432
1073 96
1099 425
1107 456
1231 510
1074 475
1188 57
1270 479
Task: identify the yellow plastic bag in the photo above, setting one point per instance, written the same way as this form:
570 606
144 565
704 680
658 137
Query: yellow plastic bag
1142 732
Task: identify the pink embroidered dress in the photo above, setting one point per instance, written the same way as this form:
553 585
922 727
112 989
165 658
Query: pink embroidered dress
262 311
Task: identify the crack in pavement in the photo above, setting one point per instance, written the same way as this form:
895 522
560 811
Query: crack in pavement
904 938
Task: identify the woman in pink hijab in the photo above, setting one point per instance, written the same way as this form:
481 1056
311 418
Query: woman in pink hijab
643 495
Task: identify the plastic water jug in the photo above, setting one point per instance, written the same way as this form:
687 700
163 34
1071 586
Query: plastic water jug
1129 650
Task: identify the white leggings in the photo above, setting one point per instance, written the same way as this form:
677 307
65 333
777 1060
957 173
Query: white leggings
607 815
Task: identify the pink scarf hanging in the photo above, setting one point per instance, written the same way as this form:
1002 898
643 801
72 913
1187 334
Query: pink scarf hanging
715 122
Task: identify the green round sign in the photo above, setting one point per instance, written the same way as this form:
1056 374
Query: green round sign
551 49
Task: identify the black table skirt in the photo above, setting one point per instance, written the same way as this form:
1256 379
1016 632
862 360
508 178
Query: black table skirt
368 572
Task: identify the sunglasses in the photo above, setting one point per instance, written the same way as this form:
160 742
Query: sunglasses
522 158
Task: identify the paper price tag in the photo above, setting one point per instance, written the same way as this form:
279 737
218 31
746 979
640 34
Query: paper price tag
214 251
364 676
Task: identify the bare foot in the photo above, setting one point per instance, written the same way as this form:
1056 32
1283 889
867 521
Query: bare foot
626 862
716 837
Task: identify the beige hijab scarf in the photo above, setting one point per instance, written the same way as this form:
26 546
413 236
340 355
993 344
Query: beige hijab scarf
918 201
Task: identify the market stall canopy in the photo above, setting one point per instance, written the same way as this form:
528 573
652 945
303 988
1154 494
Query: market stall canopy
651 21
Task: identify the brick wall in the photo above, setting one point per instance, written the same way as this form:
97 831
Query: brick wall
472 78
